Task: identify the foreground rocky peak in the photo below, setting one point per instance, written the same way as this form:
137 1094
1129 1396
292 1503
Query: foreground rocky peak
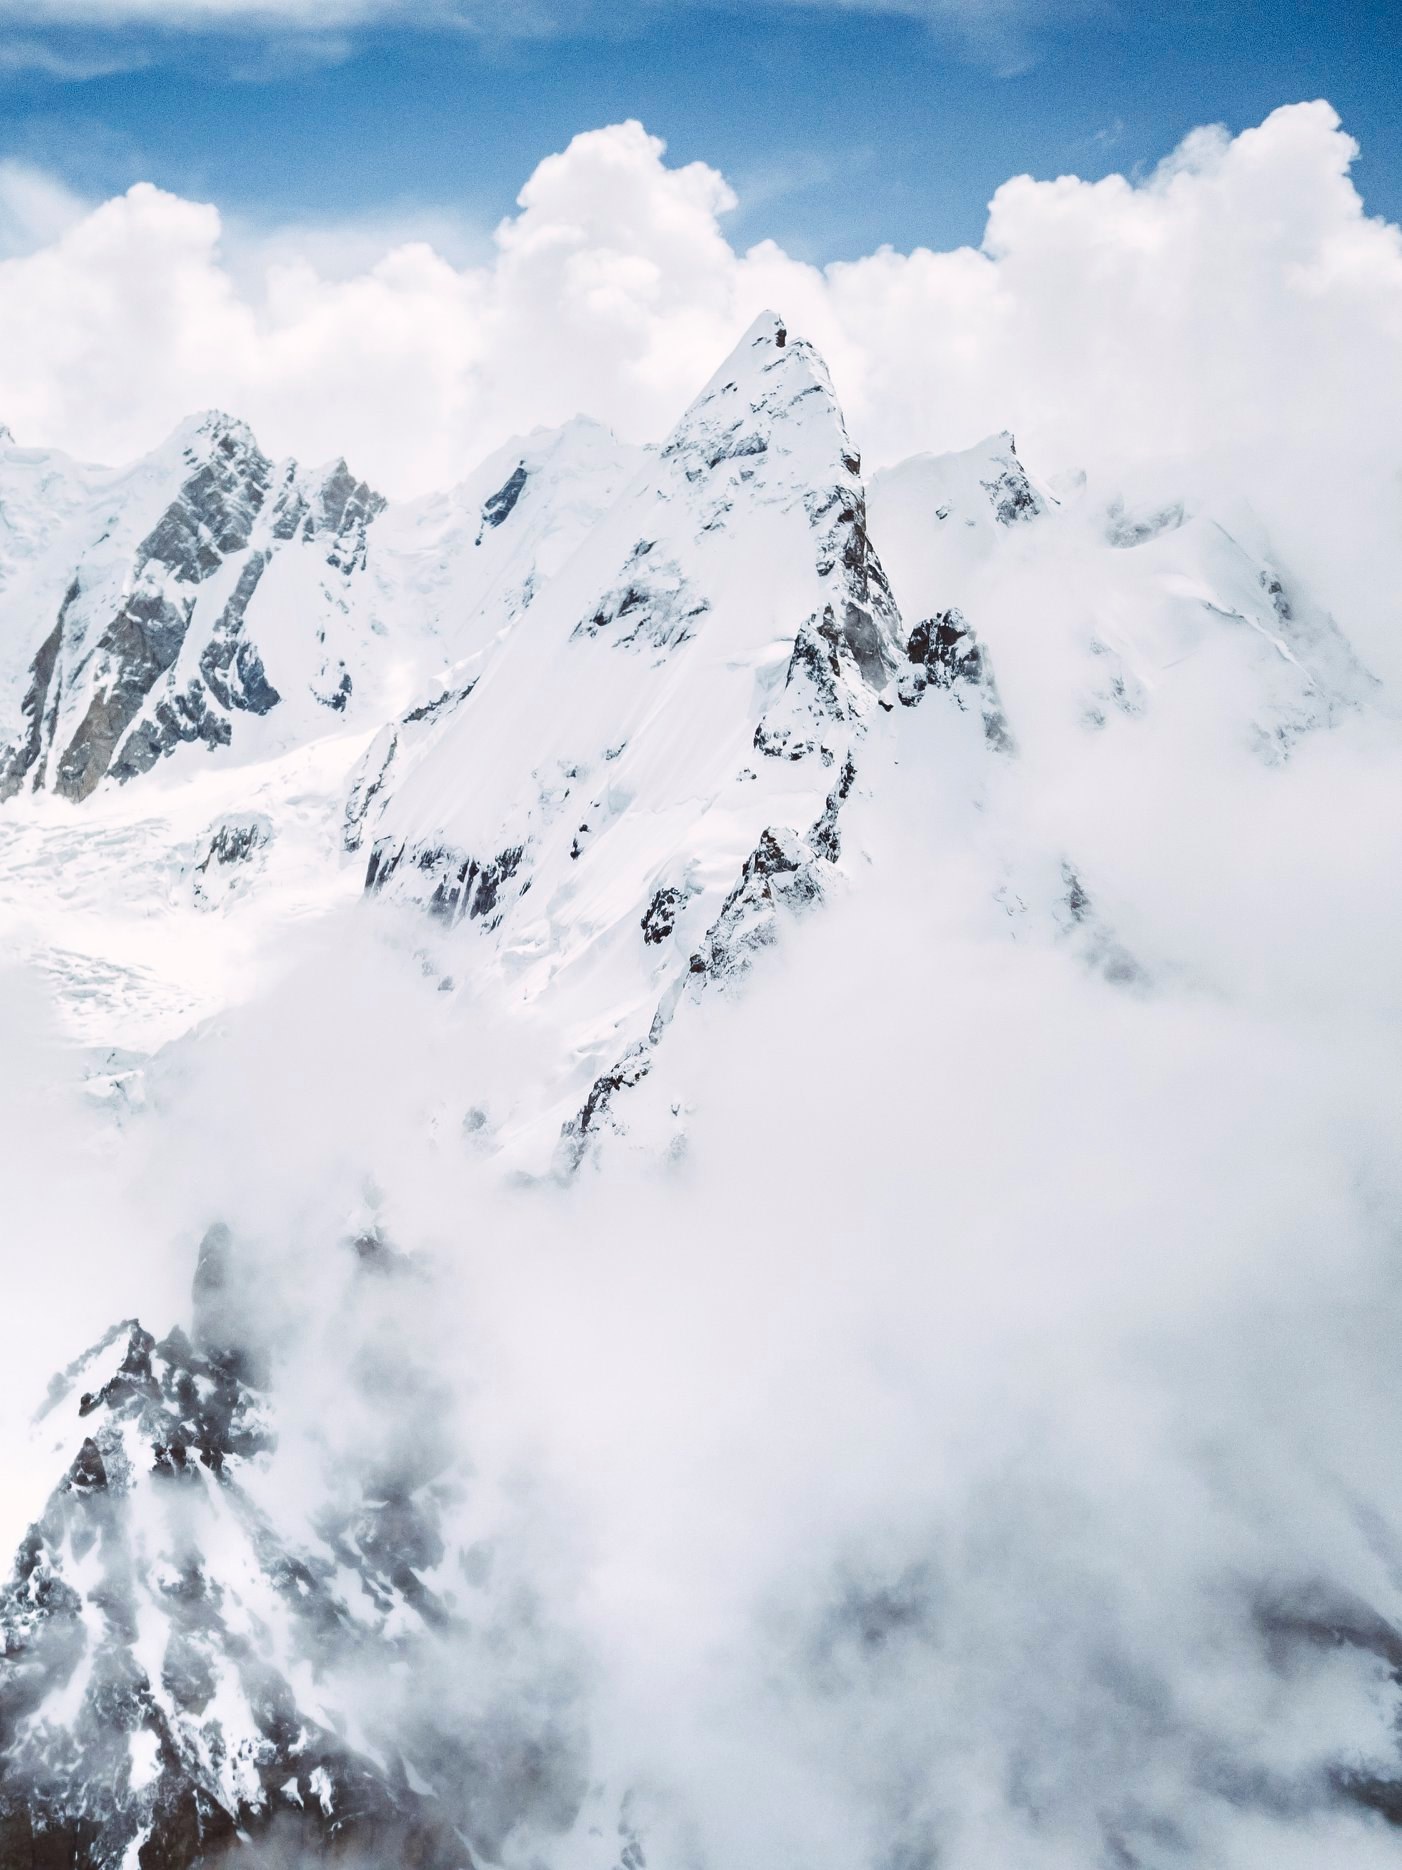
187 1633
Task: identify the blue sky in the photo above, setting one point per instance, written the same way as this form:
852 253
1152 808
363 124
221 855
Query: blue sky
841 127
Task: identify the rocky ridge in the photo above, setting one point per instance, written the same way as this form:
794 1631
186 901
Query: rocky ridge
151 646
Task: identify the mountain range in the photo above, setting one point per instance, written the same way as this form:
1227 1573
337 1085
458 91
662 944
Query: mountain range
596 735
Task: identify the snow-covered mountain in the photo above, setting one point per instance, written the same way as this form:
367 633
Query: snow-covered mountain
708 663
269 688
591 737
189 599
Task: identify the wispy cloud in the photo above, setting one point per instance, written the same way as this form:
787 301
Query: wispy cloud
113 35
790 172
67 64
1003 35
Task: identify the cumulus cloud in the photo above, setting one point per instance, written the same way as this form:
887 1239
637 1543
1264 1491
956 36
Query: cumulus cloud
1191 326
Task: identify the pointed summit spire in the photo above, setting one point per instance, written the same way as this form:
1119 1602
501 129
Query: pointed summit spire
772 397
768 328
765 341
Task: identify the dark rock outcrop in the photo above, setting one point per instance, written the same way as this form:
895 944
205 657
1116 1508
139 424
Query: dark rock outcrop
945 654
499 507
463 888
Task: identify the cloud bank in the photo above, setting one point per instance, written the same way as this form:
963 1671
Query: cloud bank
1196 323
910 1474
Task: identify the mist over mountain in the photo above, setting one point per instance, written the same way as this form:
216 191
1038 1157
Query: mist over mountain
703 1153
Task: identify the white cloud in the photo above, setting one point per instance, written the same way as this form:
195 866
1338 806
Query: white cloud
998 33
1217 321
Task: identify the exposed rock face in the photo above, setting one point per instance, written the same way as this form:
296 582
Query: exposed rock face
1010 493
233 857
139 646
846 653
230 664
142 1720
334 508
498 507
780 870
1125 529
944 653
652 603
462 888
1082 922
659 919
155 649
784 874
